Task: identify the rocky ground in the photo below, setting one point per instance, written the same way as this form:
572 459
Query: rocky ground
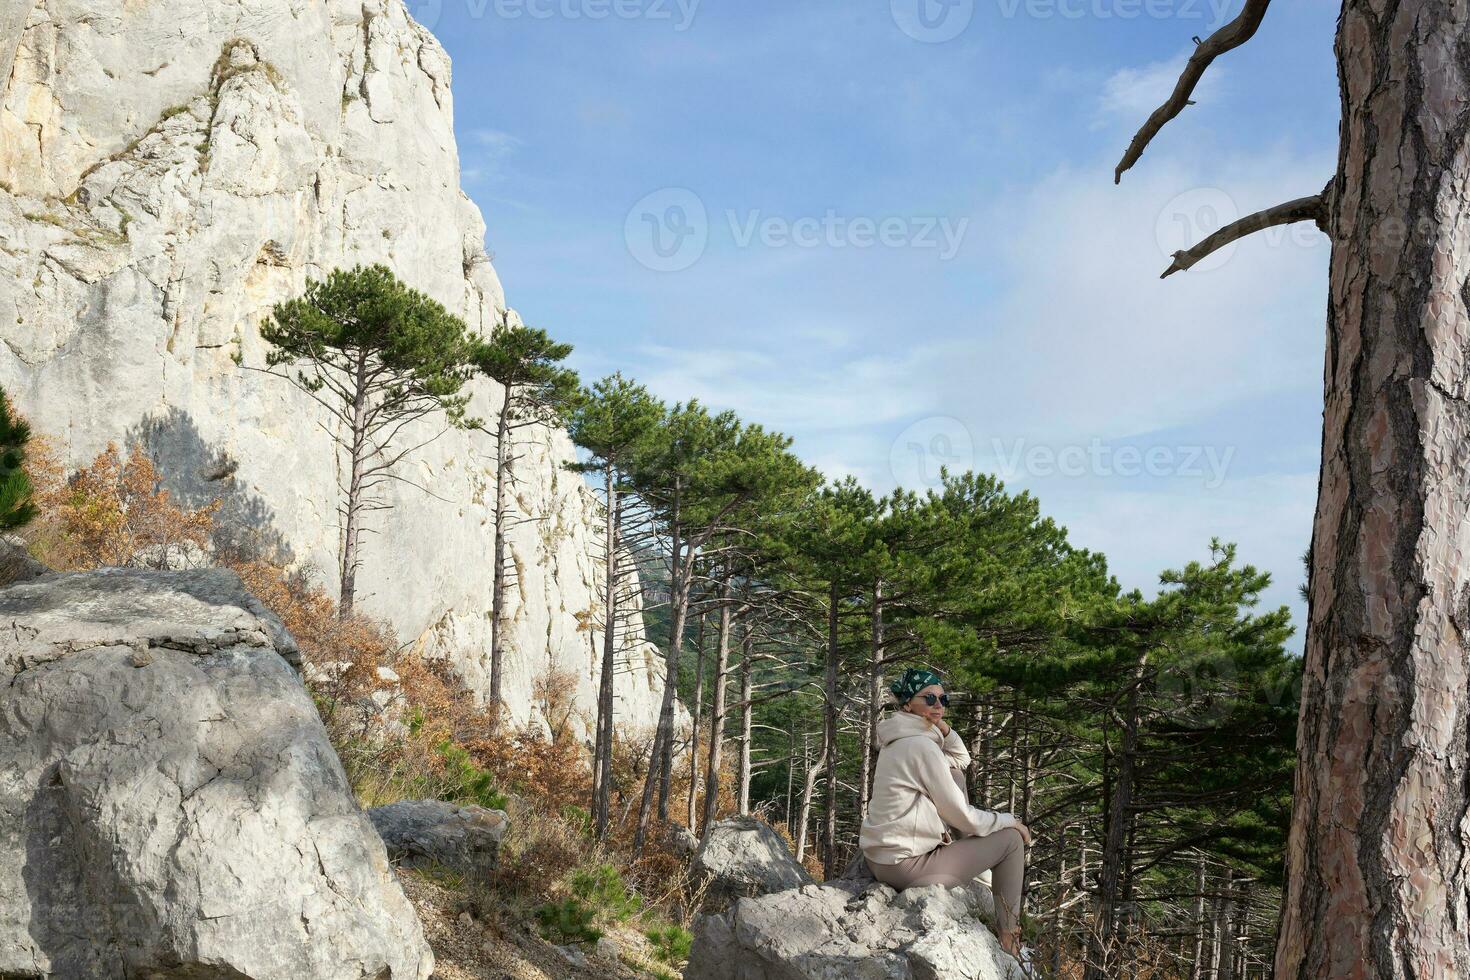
470 948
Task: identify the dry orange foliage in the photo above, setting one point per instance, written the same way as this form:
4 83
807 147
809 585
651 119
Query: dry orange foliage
114 513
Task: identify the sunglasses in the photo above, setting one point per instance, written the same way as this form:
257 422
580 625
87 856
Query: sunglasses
932 699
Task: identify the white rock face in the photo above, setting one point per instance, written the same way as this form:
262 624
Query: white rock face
174 168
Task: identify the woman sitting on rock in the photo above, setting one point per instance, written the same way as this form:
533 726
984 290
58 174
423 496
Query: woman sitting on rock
920 829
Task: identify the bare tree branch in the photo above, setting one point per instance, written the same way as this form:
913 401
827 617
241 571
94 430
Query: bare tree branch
1302 209
1232 35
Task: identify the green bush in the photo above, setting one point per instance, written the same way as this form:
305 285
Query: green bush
567 921
468 783
671 943
603 888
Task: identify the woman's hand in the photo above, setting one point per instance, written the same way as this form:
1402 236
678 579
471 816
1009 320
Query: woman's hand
942 725
1025 832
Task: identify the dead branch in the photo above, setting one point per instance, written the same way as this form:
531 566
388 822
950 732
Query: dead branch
1302 209
1232 35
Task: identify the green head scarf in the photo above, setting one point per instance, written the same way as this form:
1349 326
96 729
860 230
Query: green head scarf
914 680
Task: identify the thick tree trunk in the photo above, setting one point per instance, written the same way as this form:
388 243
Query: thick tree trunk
1379 853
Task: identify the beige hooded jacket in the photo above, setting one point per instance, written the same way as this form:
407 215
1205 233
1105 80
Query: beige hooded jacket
916 801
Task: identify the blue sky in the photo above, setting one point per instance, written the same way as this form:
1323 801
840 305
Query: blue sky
898 240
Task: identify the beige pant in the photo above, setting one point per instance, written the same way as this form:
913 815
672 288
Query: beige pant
1002 853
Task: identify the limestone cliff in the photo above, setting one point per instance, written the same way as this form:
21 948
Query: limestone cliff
173 168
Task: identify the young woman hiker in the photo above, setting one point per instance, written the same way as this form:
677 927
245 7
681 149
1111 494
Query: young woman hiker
920 828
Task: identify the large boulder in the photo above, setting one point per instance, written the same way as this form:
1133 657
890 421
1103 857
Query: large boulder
742 857
170 806
423 833
851 930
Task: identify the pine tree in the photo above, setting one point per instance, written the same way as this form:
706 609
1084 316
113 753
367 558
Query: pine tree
376 355
17 508
614 422
536 390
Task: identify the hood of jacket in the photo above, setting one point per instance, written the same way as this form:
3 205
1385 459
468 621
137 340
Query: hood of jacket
904 724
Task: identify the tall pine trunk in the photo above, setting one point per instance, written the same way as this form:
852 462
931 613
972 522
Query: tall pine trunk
1119 824
829 714
747 710
602 757
352 529
696 717
660 760
717 712
497 575
1378 872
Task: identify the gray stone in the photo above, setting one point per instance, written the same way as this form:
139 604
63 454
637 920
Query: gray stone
743 856
186 818
16 564
422 833
847 930
163 188
574 956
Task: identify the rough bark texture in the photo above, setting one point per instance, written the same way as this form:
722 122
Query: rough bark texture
1377 859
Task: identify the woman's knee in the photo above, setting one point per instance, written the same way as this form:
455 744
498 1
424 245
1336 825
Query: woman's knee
1013 839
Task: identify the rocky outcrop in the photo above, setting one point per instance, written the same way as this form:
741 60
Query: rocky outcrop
424 833
743 856
851 930
170 170
170 806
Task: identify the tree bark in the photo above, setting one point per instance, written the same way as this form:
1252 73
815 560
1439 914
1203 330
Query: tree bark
1379 853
